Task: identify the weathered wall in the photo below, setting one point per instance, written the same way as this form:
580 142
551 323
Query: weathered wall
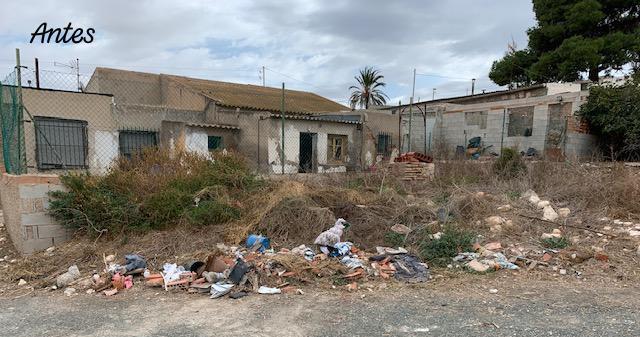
293 128
24 203
95 109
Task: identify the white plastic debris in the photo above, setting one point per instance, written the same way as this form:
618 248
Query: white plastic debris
268 291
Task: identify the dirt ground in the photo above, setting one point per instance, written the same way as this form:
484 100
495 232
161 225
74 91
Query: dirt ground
453 307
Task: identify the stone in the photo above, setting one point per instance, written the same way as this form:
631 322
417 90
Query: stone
564 212
546 257
549 214
493 246
604 219
531 196
495 220
480 194
22 282
493 291
477 266
627 223
505 208
65 279
401 229
563 272
495 228
633 232
110 258
436 236
606 228
90 291
617 222
70 291
50 249
543 203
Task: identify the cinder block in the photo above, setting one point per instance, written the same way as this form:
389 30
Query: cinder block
30 246
33 190
38 205
27 205
39 218
51 231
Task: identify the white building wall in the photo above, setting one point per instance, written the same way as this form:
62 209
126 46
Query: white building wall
106 150
196 140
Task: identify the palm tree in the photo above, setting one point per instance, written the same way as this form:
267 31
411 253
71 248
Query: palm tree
368 91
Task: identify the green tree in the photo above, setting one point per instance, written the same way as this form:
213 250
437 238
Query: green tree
369 89
613 113
573 37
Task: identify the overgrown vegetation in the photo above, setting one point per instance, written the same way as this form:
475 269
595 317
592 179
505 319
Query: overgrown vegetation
509 164
613 113
555 243
454 240
155 190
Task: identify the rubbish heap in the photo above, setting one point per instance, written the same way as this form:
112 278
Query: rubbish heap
258 268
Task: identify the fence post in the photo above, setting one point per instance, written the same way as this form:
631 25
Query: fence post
22 160
282 123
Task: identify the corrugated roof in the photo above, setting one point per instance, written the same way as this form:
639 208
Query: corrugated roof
260 98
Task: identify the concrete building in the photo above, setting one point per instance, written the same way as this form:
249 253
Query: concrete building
542 117
202 115
61 130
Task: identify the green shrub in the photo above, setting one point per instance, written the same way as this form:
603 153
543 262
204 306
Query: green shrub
509 164
452 242
394 239
555 243
212 212
154 190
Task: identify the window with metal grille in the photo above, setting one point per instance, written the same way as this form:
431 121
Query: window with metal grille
336 148
520 121
132 142
214 143
60 143
384 145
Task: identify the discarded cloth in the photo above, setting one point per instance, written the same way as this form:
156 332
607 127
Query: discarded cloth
134 261
258 243
220 289
352 262
410 269
268 291
305 251
343 248
172 271
332 236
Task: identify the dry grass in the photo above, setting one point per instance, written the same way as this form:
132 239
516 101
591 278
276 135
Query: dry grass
293 212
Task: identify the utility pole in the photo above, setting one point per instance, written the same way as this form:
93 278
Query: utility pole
282 124
433 94
399 126
78 74
473 85
413 93
263 78
37 74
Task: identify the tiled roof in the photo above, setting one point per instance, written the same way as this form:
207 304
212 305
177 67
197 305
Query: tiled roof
260 98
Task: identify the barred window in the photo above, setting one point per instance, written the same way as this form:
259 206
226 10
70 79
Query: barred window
60 143
520 121
132 142
337 148
214 143
383 146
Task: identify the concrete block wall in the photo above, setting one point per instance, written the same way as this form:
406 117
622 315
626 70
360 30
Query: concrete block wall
25 201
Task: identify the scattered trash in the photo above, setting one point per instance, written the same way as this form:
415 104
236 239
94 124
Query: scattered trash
330 237
493 291
22 282
135 262
268 290
563 272
110 292
351 262
70 292
391 251
477 266
65 279
220 289
238 271
90 291
409 269
258 243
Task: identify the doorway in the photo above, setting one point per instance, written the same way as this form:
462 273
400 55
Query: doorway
306 159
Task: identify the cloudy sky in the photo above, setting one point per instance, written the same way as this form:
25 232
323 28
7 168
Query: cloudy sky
311 45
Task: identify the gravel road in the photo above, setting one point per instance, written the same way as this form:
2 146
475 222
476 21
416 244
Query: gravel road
463 308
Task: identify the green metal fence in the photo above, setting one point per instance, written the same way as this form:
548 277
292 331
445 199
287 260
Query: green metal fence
11 117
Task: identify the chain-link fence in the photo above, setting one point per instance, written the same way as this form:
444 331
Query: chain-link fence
55 122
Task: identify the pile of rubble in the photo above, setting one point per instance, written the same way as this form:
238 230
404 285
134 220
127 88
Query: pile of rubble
256 268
